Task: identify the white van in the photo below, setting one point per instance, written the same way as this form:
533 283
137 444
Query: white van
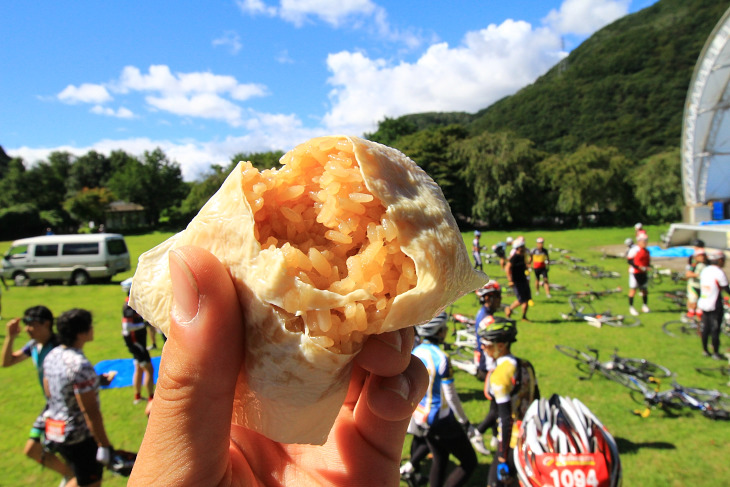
72 258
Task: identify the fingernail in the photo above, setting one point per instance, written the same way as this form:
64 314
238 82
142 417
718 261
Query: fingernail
394 339
185 295
398 384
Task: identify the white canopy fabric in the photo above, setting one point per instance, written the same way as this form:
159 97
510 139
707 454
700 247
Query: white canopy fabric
706 128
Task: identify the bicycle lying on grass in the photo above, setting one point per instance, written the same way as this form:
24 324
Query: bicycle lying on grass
711 403
618 369
685 326
581 308
723 370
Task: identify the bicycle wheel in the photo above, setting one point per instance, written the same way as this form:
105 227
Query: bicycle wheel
576 354
643 368
714 371
626 380
718 409
582 304
676 328
462 358
621 321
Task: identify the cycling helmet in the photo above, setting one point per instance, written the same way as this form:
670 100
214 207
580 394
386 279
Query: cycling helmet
502 330
717 255
629 242
540 240
509 240
638 226
698 242
562 431
477 233
433 327
491 287
126 285
518 242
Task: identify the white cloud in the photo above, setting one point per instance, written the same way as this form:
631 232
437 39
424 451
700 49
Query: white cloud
584 17
86 93
230 39
489 64
357 14
110 112
197 94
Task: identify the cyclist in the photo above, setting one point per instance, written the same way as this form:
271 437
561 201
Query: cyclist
135 337
440 409
540 263
697 264
712 282
38 322
516 270
476 250
639 262
511 387
500 248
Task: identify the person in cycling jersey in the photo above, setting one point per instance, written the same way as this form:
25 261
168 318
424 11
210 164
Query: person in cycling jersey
135 338
490 297
440 412
694 269
516 270
713 282
476 250
511 387
540 263
639 262
500 249
38 322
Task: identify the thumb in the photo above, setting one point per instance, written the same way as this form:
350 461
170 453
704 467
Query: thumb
190 421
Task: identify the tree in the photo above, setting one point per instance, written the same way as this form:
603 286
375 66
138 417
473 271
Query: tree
592 179
15 187
156 183
89 204
260 160
92 170
658 186
391 129
430 149
499 171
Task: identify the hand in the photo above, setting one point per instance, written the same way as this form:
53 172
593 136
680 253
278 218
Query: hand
503 472
190 420
107 378
103 455
13 328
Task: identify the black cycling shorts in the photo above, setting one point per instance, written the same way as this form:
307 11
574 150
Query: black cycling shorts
522 291
137 345
82 459
541 272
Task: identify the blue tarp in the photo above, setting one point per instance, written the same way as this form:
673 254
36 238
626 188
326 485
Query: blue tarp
715 222
125 371
656 251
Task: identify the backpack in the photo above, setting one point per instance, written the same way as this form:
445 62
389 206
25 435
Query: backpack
526 389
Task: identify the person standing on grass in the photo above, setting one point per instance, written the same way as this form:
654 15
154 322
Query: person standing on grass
516 270
697 264
712 282
540 263
135 337
74 424
38 322
476 250
639 262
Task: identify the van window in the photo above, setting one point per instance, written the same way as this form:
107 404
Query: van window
116 246
86 248
47 250
18 252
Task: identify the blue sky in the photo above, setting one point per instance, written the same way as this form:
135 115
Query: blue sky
206 80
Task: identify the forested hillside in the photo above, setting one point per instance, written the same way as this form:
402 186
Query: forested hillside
594 141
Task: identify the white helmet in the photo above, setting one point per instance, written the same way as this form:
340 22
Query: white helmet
562 431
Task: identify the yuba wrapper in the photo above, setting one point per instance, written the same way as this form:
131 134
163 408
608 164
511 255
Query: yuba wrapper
349 238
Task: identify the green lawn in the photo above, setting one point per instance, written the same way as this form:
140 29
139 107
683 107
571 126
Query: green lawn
656 451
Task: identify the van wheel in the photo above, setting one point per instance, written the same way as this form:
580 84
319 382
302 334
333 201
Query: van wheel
80 278
21 279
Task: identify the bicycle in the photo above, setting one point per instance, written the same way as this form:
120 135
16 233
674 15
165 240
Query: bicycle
678 297
711 403
581 308
723 370
615 369
693 326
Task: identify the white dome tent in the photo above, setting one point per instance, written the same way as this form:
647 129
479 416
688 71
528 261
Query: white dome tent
706 146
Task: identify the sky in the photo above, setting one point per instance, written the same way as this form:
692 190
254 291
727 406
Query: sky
206 80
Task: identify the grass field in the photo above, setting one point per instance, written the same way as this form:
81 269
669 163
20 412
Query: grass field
656 451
